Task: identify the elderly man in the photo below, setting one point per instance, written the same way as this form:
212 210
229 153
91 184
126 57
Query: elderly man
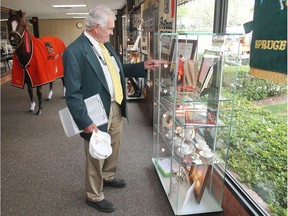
91 66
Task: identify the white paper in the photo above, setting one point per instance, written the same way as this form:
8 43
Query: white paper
95 110
189 193
165 164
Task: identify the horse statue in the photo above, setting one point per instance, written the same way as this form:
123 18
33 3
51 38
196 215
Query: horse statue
36 61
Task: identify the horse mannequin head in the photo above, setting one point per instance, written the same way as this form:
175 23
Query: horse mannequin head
16 28
19 37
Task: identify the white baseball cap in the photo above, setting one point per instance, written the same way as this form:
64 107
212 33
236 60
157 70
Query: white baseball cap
100 145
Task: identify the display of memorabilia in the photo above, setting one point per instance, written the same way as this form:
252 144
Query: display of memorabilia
192 120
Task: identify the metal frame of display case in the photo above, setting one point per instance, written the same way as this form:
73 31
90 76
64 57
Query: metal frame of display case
192 123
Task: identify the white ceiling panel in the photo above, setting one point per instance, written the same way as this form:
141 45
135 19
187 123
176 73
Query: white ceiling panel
43 8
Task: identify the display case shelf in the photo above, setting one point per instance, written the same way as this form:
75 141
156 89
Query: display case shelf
192 118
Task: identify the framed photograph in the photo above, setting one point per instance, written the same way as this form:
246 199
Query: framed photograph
186 48
186 51
166 44
199 175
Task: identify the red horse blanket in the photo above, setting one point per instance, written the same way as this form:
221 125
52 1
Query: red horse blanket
45 64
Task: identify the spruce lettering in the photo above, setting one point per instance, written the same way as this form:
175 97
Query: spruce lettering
271 44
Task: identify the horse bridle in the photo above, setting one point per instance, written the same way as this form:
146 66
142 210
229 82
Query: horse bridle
17 33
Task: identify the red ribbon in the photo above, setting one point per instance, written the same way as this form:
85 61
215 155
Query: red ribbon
27 45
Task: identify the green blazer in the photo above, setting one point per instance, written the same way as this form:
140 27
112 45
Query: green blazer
84 77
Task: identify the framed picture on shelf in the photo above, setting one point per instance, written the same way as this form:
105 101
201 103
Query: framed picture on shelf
186 51
198 175
199 117
186 48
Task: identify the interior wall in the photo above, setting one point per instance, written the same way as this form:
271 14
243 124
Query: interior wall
66 29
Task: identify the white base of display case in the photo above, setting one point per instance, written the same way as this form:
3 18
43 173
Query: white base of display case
207 205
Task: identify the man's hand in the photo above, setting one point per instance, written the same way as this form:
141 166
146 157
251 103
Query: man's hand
152 64
90 129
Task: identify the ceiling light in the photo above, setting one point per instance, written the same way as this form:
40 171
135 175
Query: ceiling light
77 13
68 6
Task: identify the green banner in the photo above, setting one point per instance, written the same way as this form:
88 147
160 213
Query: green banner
269 37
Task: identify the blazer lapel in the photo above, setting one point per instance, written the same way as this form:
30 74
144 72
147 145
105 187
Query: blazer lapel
94 62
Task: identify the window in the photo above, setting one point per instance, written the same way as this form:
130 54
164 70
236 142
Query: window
239 12
264 180
195 16
258 152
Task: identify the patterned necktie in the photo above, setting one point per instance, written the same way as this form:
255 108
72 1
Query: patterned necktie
114 75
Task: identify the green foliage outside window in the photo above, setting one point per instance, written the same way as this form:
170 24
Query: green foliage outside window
249 87
258 153
258 142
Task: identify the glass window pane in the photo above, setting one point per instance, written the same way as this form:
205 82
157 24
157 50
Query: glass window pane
258 152
195 16
258 146
239 12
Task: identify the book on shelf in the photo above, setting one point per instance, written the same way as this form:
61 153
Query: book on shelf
199 117
203 81
192 72
207 78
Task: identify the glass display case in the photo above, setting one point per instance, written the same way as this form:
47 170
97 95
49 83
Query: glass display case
192 116
132 33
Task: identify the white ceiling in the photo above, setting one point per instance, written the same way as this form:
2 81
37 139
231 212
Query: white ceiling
43 9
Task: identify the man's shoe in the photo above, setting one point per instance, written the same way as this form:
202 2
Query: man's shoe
117 183
103 205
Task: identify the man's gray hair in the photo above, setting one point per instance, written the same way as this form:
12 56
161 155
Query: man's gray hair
98 15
